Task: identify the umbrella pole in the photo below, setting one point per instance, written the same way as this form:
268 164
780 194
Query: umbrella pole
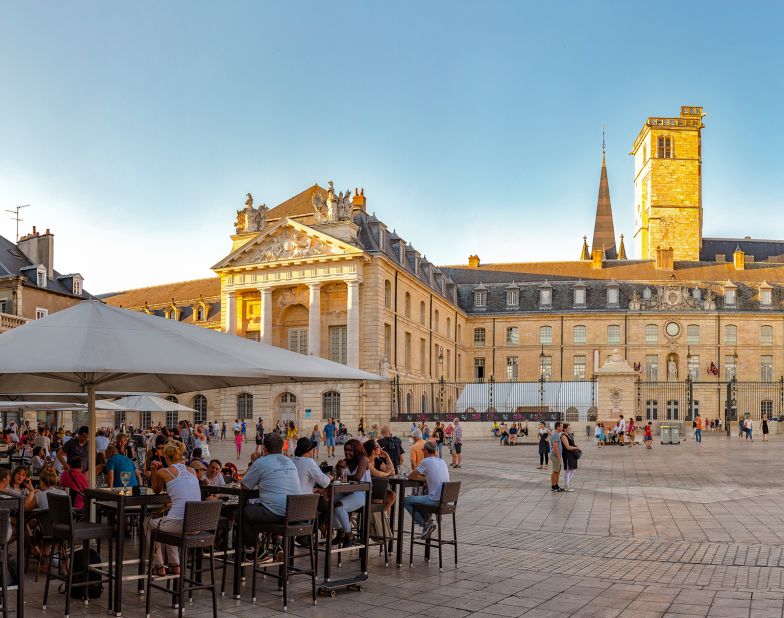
91 422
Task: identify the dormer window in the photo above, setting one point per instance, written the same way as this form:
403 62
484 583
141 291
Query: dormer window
480 298
613 295
766 295
41 276
512 297
77 287
200 313
171 313
729 294
579 295
546 296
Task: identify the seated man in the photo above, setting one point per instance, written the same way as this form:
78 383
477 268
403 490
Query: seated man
416 452
276 477
434 470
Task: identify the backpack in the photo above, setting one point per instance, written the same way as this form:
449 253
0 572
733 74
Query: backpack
94 591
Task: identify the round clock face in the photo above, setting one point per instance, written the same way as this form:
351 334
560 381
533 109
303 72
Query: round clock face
673 329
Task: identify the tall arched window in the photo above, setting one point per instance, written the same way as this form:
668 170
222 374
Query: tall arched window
407 306
244 405
200 313
421 312
423 410
436 321
172 416
388 294
730 333
172 398
330 405
409 402
199 404
546 335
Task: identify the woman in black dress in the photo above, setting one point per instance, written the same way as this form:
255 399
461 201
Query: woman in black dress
765 429
569 455
544 446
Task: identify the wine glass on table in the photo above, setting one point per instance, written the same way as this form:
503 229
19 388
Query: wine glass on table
125 479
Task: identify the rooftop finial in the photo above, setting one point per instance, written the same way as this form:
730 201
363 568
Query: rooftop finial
603 147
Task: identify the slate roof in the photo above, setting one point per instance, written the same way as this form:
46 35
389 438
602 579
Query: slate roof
762 250
298 206
14 263
747 296
185 293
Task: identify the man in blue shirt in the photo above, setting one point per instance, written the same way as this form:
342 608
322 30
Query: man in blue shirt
116 464
276 478
329 437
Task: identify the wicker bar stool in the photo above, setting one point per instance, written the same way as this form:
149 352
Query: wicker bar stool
69 533
377 497
446 506
199 528
5 518
300 520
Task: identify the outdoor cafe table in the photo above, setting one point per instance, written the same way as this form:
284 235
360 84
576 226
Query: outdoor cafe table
121 499
15 504
238 499
400 484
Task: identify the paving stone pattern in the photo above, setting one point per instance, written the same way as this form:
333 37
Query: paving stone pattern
681 530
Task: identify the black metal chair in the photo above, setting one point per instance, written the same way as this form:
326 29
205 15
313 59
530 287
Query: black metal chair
377 497
5 518
199 528
69 533
446 506
300 521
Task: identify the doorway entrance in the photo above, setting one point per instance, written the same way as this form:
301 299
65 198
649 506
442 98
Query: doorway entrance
287 410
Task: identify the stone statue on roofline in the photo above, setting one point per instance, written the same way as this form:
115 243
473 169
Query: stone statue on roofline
250 219
334 208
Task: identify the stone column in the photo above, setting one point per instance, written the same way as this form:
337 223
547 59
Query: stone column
265 325
314 320
231 313
352 323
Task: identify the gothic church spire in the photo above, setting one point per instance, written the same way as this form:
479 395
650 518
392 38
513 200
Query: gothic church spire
603 229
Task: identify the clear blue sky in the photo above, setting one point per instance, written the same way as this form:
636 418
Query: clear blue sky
135 129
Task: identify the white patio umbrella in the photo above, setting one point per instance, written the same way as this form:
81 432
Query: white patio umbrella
92 345
148 403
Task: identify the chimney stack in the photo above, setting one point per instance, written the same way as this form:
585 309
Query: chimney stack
39 249
664 258
597 256
473 261
359 200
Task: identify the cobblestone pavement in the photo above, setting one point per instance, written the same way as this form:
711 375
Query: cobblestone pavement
676 530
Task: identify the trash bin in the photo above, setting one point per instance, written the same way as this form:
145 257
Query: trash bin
666 434
675 434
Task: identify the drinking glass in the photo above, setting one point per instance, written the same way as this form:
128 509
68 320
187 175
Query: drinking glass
125 478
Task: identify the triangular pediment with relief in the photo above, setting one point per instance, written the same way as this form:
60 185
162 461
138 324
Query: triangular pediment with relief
287 240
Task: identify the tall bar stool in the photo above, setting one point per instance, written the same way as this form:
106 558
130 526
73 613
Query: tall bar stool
300 520
199 528
377 497
69 533
446 506
5 519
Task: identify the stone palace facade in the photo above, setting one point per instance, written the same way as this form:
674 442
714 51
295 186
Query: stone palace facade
320 275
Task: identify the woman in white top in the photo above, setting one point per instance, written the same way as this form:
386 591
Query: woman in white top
182 486
358 469
200 440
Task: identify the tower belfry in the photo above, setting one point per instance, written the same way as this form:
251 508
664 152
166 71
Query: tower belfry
603 228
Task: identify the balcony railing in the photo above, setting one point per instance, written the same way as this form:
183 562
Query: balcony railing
11 321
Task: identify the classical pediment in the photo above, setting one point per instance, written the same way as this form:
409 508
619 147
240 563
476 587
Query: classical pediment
285 241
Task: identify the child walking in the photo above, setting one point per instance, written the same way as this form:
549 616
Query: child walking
238 443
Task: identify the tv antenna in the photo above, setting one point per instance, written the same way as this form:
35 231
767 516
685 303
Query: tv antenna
15 213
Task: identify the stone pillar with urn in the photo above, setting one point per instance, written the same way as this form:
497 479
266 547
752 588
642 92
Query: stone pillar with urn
616 391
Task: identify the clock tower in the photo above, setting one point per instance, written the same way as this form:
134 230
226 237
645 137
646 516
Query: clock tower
668 185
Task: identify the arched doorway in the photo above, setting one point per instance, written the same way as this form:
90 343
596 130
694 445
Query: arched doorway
287 409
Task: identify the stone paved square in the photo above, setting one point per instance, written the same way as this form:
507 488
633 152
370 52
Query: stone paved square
677 530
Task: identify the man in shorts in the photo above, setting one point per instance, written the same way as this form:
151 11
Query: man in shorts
457 443
555 458
621 430
329 437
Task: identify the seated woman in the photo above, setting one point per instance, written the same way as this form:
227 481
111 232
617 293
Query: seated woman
21 485
513 434
38 460
357 467
182 486
504 435
381 466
